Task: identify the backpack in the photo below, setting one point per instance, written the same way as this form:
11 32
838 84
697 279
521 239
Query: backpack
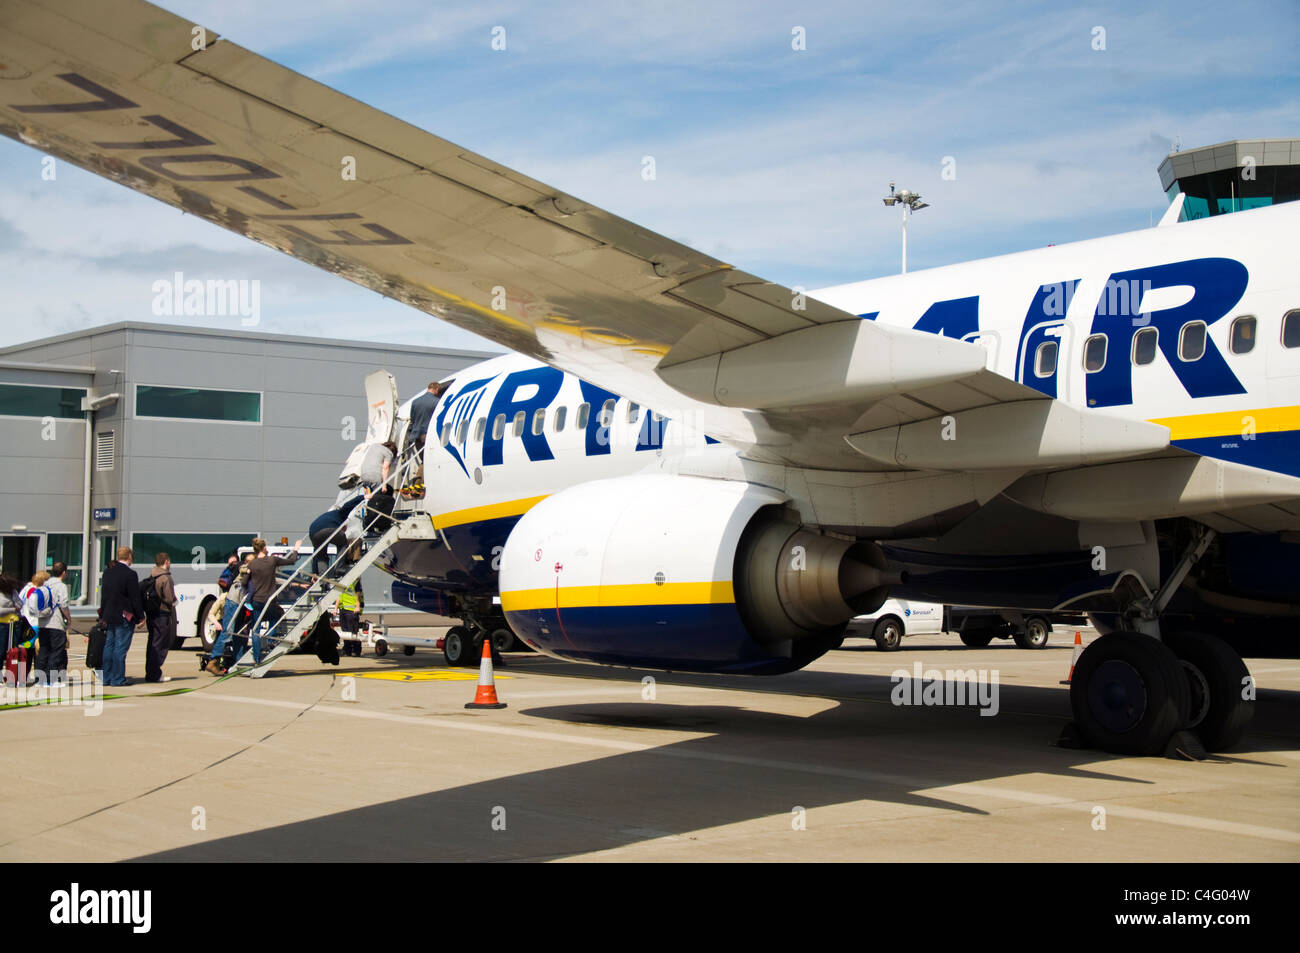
149 595
42 598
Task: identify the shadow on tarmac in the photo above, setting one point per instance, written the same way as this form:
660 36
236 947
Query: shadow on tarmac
737 765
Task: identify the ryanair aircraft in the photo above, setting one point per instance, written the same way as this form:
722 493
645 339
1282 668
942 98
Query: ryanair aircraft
686 467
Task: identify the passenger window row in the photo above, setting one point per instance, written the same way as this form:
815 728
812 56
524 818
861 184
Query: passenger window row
537 425
1191 344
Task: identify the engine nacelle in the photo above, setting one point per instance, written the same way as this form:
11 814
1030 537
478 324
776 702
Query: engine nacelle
682 574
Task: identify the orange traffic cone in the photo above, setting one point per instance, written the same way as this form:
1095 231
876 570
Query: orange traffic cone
486 697
1078 650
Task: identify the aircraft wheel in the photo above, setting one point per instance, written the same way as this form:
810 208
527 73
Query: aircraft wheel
458 646
502 640
888 634
1129 694
975 638
1035 633
1217 678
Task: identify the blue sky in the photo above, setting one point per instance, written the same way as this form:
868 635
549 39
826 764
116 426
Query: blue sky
770 158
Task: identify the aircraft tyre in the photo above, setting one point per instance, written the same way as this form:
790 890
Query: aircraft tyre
975 638
889 634
503 640
1129 694
1217 678
458 646
1034 634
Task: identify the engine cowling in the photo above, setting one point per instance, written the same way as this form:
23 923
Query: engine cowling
683 574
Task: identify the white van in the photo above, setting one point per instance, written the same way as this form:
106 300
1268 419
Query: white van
897 618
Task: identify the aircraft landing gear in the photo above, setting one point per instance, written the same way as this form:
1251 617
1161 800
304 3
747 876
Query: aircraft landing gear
1134 688
458 646
1222 700
1129 694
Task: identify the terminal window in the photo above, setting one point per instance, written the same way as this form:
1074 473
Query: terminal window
197 549
24 400
192 403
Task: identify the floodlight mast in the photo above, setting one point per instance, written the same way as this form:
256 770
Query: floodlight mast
911 202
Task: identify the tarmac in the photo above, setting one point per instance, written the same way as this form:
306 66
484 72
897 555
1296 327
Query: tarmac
378 759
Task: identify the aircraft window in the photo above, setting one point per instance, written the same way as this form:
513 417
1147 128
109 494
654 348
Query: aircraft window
560 414
1045 359
539 420
462 431
446 434
479 429
1191 341
499 427
1291 329
1144 346
584 411
607 413
1243 334
517 429
1094 353
633 411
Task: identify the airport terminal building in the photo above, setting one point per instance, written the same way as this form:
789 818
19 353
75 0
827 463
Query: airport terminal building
182 440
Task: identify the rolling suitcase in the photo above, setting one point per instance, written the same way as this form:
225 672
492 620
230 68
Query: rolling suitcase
96 637
17 660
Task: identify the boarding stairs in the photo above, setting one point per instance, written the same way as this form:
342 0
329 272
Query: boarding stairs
304 597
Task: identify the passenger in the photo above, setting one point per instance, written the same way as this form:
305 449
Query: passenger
322 531
9 609
121 610
52 655
162 619
262 586
37 608
422 410
236 598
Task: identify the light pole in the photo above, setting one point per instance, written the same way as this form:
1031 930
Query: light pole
911 202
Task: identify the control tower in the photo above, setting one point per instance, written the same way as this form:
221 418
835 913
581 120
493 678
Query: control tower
1232 176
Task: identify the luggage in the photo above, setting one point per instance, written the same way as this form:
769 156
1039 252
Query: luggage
16 663
379 512
96 638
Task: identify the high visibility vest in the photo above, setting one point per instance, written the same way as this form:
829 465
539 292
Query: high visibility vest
348 599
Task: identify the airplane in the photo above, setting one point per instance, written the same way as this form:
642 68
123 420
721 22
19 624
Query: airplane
685 467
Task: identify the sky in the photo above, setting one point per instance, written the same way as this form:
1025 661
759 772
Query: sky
1021 123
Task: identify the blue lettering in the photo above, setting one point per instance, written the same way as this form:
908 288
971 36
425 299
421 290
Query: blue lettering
954 319
1046 313
546 381
597 435
1217 285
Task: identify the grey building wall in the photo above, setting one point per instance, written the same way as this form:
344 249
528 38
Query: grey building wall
269 479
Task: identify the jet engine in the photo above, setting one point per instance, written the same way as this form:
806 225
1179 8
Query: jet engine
683 574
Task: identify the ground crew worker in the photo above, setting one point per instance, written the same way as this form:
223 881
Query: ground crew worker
352 600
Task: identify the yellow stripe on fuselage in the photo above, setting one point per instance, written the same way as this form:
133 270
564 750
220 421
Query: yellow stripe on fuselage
491 511
635 594
1233 422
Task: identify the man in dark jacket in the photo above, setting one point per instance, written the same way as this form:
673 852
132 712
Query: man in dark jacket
162 620
262 585
421 411
121 610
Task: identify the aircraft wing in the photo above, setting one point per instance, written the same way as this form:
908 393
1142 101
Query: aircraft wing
164 106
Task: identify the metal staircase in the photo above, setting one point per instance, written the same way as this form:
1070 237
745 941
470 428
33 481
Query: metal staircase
303 597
